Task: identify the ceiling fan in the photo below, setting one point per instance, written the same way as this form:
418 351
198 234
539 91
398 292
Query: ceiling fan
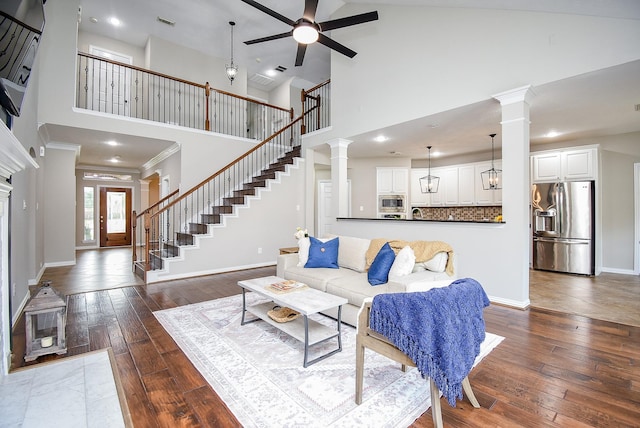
306 31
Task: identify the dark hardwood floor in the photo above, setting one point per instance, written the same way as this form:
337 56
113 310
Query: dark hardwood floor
552 369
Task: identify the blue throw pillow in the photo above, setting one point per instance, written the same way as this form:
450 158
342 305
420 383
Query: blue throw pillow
323 254
379 270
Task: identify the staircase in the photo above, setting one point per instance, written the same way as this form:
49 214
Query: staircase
162 234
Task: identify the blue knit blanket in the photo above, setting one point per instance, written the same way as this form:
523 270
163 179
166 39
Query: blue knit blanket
440 330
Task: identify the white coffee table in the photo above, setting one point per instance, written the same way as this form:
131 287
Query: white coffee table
307 301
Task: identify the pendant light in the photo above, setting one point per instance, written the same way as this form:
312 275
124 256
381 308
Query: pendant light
491 178
429 183
232 69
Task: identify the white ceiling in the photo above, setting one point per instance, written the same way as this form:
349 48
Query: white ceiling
596 104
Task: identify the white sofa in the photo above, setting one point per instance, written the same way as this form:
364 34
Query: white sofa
350 279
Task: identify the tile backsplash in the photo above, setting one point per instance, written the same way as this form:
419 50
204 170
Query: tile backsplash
470 213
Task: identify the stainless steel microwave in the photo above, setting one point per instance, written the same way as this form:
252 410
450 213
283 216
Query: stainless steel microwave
391 203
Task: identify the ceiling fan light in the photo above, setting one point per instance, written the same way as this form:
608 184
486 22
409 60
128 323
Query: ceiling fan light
305 33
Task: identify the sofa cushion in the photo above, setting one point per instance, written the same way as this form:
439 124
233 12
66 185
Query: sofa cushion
319 277
379 270
352 253
404 262
354 288
323 254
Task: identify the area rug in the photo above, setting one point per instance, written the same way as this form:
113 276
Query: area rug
257 371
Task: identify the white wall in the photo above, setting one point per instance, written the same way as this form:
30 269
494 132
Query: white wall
189 64
451 57
59 205
89 39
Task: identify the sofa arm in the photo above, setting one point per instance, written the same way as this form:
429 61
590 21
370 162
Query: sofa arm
285 261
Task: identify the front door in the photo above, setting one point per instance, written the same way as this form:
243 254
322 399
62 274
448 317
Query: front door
115 216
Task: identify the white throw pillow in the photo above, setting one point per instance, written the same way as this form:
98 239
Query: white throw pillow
438 263
403 264
303 251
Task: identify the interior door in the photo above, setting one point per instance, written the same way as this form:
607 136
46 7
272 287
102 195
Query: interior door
110 82
115 216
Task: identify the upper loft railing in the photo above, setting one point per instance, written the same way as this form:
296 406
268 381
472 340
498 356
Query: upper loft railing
125 90
315 107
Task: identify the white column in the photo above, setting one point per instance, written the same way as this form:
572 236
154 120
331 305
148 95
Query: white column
515 183
339 189
144 194
5 288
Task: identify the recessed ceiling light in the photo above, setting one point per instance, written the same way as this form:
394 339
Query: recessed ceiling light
552 134
115 21
115 159
93 19
380 139
111 143
270 73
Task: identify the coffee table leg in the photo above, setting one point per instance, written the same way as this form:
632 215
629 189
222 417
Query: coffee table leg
305 363
243 321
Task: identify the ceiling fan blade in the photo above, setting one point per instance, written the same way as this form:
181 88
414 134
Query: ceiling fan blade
310 7
268 11
348 21
302 48
268 38
330 43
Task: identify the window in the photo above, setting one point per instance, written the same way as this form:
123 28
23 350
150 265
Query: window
89 215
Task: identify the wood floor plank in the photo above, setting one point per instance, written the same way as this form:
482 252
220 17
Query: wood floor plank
168 402
146 357
211 411
142 412
182 370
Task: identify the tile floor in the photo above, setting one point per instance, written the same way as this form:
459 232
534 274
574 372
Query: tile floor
74 392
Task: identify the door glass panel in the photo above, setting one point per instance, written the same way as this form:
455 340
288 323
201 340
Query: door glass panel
116 216
89 220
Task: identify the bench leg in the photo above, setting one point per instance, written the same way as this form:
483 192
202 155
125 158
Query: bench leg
470 395
359 371
436 408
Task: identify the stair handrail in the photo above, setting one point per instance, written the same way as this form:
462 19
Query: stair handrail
226 167
165 216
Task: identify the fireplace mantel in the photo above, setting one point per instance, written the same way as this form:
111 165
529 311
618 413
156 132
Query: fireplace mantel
13 156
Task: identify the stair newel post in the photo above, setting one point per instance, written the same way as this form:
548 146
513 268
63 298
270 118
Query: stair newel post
318 103
134 224
147 240
207 93
303 99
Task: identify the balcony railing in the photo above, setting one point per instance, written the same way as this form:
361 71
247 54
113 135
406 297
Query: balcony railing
125 90
315 107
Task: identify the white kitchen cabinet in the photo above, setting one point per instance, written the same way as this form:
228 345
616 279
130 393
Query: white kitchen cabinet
449 185
392 180
417 198
437 199
578 164
466 185
486 197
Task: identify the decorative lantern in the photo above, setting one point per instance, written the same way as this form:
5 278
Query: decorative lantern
46 319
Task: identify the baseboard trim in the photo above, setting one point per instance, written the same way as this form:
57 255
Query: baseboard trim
14 320
620 271
38 277
59 264
510 303
152 277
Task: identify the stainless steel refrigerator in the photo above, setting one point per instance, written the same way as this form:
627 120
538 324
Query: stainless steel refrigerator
563 226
